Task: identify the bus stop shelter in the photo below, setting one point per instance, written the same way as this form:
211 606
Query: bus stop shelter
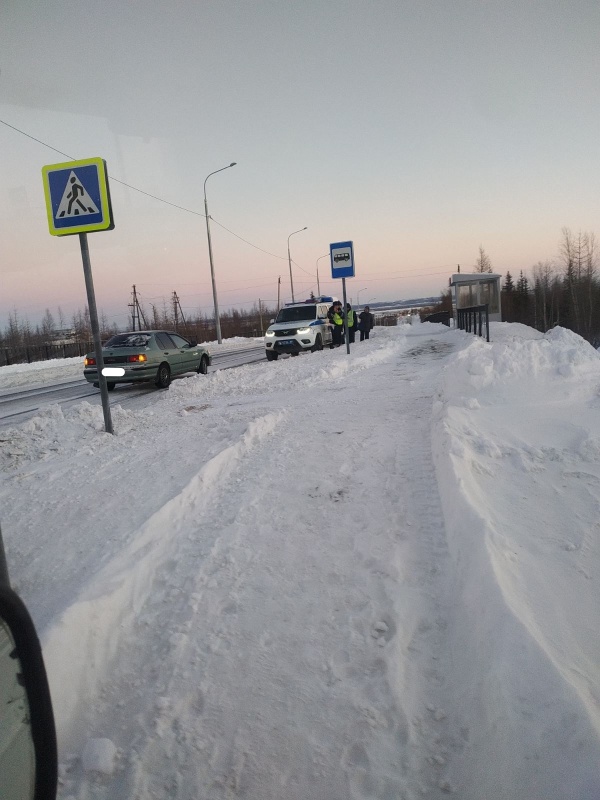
471 289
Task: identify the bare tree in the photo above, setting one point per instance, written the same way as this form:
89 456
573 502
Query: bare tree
48 326
579 263
483 263
545 295
13 332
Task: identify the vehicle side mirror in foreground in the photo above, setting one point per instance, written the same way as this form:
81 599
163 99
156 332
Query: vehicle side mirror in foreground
28 753
193 342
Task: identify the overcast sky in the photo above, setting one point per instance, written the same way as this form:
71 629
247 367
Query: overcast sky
420 130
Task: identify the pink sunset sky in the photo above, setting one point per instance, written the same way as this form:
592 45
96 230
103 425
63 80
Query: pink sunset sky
418 131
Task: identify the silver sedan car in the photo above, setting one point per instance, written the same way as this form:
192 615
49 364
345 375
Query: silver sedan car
147 356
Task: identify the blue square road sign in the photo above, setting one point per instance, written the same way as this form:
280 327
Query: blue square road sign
77 197
342 259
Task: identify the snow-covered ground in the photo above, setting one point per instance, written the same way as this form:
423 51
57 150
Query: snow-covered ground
325 578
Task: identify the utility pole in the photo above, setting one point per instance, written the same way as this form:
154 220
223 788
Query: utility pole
278 293
137 312
178 311
262 331
133 308
175 319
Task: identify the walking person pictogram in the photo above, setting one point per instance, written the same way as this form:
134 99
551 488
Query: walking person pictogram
76 200
76 192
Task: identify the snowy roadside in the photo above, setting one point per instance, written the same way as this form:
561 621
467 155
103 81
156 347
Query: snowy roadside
292 580
40 373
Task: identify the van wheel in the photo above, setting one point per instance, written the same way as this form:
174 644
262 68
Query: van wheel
318 345
110 386
163 377
272 356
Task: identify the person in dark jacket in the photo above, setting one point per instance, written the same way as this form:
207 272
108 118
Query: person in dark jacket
335 315
352 322
366 323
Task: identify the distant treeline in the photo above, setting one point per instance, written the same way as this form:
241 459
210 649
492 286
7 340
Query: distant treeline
57 338
565 291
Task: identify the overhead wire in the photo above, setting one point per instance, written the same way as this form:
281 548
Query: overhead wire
200 214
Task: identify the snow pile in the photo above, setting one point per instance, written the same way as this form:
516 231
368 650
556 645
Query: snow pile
99 756
516 446
56 369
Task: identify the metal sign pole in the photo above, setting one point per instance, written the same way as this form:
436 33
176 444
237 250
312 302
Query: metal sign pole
89 285
346 316
342 266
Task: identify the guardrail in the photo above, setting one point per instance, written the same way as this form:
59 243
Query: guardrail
469 319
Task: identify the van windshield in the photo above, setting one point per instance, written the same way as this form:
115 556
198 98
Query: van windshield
297 313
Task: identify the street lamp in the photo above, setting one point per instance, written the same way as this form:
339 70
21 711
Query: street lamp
358 295
290 262
210 255
327 255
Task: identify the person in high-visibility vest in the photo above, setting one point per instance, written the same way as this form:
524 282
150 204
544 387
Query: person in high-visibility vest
352 322
335 315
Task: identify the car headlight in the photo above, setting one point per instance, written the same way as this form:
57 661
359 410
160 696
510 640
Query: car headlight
303 331
270 333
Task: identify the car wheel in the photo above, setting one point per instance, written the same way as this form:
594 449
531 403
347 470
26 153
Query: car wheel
318 344
272 356
294 354
110 385
203 367
96 385
163 377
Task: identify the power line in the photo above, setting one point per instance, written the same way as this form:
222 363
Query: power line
147 194
283 258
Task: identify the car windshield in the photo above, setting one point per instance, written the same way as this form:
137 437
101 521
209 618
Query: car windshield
295 313
129 340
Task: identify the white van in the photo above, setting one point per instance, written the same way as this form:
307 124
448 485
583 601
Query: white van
300 327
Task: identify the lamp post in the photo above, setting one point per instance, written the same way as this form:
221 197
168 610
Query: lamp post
358 295
290 262
210 255
327 255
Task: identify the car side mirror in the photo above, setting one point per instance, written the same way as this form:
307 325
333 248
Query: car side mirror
271 321
193 342
28 752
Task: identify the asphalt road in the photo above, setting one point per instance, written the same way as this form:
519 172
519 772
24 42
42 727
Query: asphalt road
18 405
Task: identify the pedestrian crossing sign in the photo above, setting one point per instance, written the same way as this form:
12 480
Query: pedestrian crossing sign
77 197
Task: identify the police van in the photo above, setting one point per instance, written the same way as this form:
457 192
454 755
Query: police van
300 327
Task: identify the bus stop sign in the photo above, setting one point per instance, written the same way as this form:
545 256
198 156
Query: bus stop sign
342 259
